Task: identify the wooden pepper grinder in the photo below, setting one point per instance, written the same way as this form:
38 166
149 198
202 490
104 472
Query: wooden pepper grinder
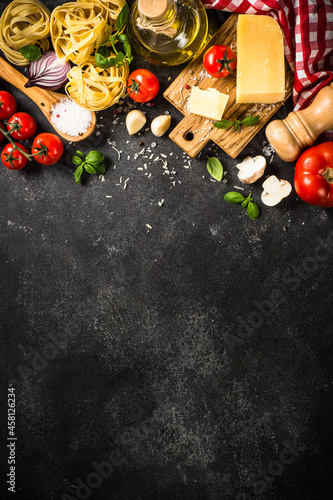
302 128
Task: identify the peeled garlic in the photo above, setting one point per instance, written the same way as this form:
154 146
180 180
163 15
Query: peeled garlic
135 120
160 125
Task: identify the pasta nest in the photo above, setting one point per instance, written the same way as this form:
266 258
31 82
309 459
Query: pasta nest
97 88
24 23
79 28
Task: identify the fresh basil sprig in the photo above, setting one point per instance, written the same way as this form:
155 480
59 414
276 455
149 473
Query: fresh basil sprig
92 164
215 168
31 52
252 208
102 55
247 121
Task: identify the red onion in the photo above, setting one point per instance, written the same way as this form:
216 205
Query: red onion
48 72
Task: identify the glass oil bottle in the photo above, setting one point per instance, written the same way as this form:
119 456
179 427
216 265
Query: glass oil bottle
168 32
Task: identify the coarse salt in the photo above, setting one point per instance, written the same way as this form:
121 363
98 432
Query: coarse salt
70 118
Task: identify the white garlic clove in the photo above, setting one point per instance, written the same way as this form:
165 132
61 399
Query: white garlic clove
135 120
160 125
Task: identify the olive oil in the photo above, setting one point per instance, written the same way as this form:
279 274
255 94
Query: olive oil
168 32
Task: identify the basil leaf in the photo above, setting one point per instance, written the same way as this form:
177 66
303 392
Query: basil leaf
215 168
100 60
234 197
223 124
99 168
76 160
245 203
123 38
128 52
105 63
250 120
80 154
120 58
103 51
78 173
122 17
94 157
253 211
89 168
31 52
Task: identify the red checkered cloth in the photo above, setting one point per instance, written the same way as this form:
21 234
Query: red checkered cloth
307 27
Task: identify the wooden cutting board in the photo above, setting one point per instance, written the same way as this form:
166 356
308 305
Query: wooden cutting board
193 131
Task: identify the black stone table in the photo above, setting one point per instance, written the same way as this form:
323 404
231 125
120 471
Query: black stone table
162 345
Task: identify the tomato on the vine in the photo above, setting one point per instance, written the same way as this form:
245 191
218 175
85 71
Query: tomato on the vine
13 158
142 85
21 126
47 148
219 61
8 105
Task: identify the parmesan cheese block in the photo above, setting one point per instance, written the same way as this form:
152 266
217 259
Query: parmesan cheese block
208 103
260 60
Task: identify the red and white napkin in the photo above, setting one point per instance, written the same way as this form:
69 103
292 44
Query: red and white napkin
307 27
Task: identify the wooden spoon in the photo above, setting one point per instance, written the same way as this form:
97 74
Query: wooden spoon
44 99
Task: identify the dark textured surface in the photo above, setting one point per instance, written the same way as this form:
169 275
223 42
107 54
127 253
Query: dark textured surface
195 356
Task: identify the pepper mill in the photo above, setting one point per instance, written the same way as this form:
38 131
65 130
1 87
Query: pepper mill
302 128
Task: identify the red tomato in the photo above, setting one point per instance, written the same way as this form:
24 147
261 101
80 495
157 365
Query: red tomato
47 148
21 126
314 175
1 134
12 158
142 85
8 105
219 61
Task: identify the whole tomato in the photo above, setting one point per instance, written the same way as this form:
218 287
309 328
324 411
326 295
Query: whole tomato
8 105
219 61
13 158
47 148
314 175
142 85
21 126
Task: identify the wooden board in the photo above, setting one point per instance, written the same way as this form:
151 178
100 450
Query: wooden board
193 132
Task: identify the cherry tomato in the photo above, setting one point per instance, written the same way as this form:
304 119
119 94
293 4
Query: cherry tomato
13 158
1 134
314 175
8 105
47 148
219 61
142 85
21 126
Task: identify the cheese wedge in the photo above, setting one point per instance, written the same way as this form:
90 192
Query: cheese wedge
260 60
208 103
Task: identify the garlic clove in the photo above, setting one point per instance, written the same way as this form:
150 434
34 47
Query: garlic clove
135 120
160 125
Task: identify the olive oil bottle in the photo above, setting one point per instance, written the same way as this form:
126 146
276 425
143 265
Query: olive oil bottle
168 32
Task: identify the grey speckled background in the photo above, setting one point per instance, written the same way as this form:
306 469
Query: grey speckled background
189 361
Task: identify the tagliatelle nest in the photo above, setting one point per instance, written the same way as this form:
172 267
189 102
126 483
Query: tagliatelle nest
21 24
79 28
96 88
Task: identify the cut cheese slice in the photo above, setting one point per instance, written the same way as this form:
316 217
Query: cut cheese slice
208 103
260 60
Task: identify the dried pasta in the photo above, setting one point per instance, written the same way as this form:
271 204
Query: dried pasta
96 88
79 28
24 23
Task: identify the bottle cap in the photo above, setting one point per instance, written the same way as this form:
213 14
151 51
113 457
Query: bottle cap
153 8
